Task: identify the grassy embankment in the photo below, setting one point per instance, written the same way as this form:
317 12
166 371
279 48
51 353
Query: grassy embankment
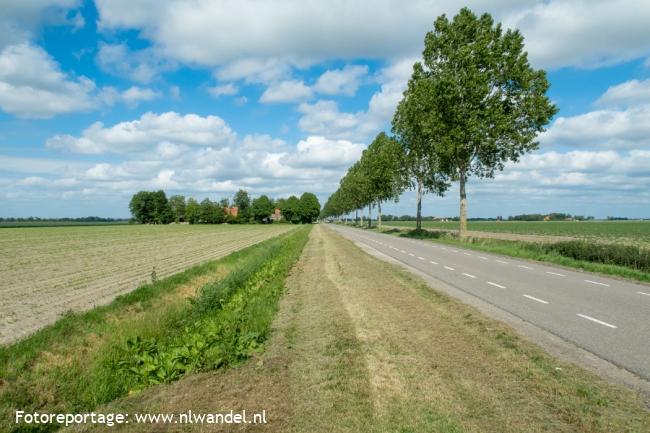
589 254
363 346
149 336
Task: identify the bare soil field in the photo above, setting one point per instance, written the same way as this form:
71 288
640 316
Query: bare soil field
47 271
362 346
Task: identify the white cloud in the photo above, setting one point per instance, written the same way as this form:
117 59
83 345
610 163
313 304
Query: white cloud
324 118
317 151
131 96
254 70
286 91
631 92
19 20
558 33
608 129
141 66
150 130
344 81
33 85
228 89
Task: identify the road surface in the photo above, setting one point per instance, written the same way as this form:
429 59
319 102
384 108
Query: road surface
606 316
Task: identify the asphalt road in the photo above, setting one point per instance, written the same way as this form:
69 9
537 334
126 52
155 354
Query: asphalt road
606 316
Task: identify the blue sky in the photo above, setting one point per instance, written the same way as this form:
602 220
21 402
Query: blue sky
101 99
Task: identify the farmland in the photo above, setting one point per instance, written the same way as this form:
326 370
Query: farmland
629 232
46 271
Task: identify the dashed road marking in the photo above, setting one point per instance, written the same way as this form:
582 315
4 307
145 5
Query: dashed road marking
402 251
467 254
432 262
501 261
449 268
496 285
643 293
600 322
482 258
524 267
411 254
421 258
541 301
469 275
555 273
596 282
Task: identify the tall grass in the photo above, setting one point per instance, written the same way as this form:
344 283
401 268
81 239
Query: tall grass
88 359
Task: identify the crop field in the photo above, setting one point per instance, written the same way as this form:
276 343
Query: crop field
628 232
46 271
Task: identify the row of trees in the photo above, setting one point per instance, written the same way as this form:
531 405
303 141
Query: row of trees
472 104
153 207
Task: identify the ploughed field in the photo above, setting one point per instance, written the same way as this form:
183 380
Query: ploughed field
627 232
46 271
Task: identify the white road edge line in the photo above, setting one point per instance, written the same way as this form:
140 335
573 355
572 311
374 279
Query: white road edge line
643 293
596 282
469 275
496 285
555 273
524 267
536 299
449 268
600 322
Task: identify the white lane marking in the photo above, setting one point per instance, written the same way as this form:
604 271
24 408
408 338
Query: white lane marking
449 268
555 273
524 267
421 258
455 251
584 316
482 258
432 262
501 261
444 248
536 299
411 254
467 254
496 285
469 275
402 251
596 282
643 293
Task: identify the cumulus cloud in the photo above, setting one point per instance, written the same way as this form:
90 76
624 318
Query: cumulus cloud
33 85
558 33
286 91
609 129
228 89
633 92
318 151
141 66
147 132
344 81
132 96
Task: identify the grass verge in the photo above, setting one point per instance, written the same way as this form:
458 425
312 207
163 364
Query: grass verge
148 336
560 253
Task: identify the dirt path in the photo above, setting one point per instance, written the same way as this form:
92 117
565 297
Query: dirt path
360 346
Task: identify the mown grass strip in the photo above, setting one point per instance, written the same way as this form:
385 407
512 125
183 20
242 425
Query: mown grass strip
88 359
610 259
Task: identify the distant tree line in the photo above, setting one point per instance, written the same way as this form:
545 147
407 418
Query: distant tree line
88 219
554 216
153 207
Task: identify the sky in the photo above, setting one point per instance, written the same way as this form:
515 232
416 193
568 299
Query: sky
99 100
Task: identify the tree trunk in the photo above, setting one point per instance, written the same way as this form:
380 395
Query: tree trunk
361 219
356 216
369 215
418 216
462 232
379 215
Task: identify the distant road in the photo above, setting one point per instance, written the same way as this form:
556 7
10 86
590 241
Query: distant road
606 316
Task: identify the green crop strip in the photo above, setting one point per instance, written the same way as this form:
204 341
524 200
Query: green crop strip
91 358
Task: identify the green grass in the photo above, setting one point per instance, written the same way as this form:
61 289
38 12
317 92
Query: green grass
88 359
635 232
536 251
